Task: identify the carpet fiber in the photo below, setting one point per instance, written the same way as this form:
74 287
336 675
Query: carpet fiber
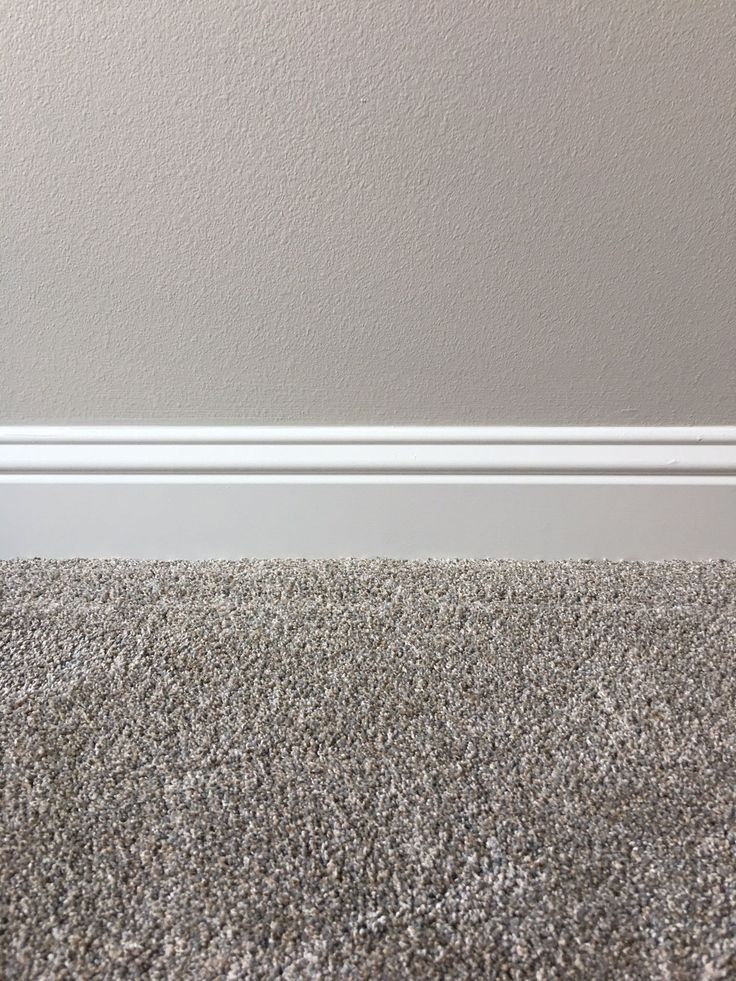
368 769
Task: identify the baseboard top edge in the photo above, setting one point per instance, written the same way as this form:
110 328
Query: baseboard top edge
668 451
367 435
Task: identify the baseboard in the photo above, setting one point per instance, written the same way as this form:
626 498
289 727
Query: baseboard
407 492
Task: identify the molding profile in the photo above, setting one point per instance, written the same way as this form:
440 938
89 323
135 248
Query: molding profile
404 492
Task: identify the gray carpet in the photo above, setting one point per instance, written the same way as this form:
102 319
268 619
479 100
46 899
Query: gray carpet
368 770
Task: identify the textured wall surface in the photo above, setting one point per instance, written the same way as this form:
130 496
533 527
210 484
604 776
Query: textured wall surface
360 211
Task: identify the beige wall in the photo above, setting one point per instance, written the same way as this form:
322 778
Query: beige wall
352 211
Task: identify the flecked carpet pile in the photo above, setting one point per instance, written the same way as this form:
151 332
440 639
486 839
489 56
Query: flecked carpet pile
368 769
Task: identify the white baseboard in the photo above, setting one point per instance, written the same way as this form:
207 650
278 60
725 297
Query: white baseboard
406 492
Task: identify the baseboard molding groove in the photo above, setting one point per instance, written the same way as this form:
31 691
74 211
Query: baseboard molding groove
407 492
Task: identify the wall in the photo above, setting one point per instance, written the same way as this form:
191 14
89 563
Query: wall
353 211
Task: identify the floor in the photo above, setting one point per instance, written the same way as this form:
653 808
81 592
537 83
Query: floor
368 769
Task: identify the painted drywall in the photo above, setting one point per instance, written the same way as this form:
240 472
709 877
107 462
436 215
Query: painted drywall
332 211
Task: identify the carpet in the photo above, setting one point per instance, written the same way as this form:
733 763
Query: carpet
368 769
